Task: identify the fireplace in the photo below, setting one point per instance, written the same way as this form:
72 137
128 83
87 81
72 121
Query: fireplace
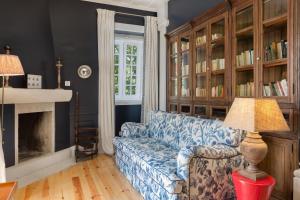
34 136
34 125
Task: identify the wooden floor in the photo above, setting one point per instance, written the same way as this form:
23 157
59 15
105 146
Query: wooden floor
94 179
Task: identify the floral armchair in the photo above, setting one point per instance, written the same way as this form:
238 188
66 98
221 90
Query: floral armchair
179 157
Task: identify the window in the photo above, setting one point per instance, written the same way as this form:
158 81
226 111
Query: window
128 69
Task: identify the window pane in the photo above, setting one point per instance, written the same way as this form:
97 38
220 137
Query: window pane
116 80
128 70
128 60
134 50
117 49
129 49
116 90
127 90
128 78
134 58
116 69
133 90
116 59
133 80
134 70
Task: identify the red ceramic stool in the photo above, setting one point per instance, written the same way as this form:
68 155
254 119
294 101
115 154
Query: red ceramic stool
247 189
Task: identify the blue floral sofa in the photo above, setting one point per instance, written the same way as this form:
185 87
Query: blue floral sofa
179 157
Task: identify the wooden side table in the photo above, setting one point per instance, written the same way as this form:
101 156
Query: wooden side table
7 190
247 189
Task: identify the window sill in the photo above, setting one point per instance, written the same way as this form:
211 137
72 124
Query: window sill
127 102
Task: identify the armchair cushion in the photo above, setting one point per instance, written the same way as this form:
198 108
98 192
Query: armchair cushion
132 129
208 152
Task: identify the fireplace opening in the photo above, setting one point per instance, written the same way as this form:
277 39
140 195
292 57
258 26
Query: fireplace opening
34 138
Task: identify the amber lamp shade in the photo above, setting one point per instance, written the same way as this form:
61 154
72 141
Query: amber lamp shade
10 65
254 116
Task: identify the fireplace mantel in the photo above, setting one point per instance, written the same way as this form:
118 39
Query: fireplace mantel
22 95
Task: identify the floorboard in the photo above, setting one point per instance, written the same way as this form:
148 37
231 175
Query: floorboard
97 179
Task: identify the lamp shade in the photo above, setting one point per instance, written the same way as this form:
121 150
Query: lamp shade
256 115
10 65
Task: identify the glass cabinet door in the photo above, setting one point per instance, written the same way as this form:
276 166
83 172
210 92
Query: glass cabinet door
217 61
275 49
201 63
244 52
173 69
185 66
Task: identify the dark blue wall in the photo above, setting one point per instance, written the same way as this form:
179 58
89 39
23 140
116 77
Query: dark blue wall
182 11
127 113
39 31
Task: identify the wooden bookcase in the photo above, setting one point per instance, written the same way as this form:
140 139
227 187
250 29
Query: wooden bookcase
242 49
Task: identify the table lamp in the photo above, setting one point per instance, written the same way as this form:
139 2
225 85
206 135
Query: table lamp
254 116
10 65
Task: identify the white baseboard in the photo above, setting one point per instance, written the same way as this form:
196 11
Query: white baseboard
35 169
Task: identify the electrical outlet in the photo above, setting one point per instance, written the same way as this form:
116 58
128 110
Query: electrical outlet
67 83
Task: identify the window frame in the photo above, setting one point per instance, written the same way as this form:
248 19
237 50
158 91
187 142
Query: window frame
122 41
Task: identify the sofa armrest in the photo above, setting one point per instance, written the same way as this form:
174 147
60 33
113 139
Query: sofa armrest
205 152
132 129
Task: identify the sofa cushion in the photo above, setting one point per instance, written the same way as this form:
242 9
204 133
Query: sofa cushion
197 131
155 157
165 127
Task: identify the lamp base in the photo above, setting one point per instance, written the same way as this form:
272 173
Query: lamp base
254 149
253 175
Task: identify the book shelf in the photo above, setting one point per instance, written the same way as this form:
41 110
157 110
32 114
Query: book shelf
275 41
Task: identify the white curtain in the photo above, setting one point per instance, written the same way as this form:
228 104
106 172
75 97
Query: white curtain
150 100
106 108
2 162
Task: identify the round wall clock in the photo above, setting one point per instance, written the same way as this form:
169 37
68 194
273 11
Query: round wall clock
84 71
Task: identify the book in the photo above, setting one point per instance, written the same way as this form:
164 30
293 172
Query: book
213 91
268 53
273 51
278 83
267 90
246 89
284 48
251 56
279 50
284 86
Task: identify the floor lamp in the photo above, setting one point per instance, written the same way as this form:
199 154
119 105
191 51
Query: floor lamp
10 65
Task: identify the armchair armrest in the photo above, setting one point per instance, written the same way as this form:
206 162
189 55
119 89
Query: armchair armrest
205 152
132 129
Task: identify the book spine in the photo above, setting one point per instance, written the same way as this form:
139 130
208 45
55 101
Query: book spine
273 51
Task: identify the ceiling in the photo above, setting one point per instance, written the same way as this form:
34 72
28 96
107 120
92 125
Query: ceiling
150 5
